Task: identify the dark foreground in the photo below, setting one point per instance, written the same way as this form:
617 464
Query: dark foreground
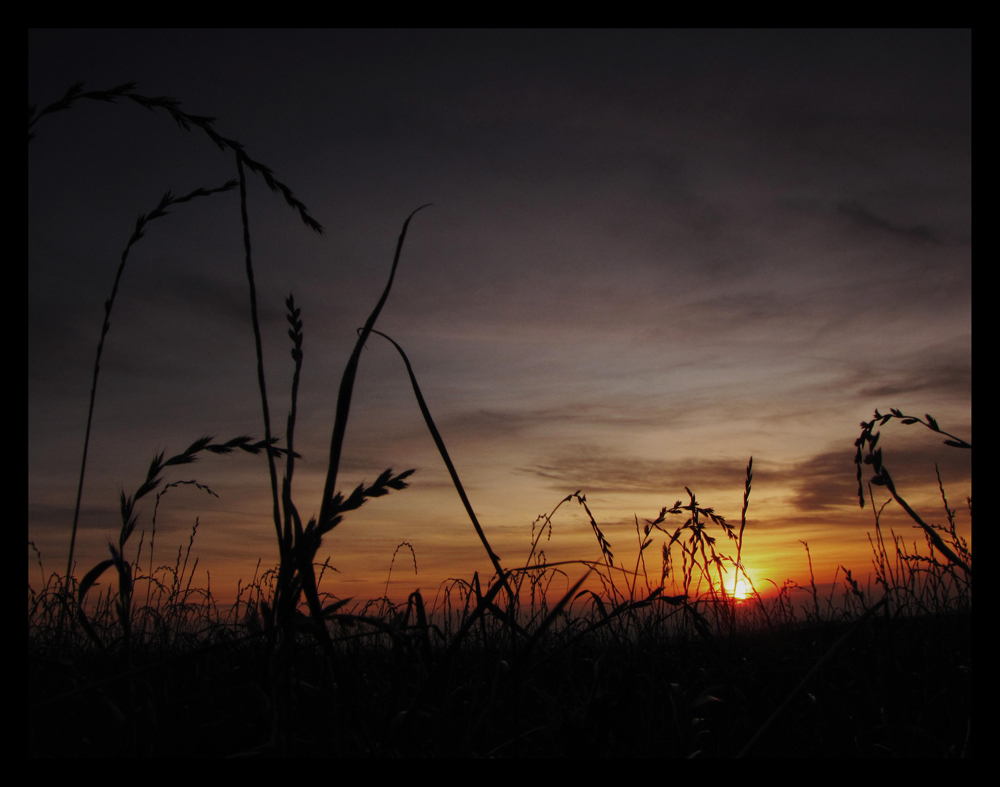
893 688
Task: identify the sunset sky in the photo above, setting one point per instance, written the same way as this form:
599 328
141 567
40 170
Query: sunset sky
651 255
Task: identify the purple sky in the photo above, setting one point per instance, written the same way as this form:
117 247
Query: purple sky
651 255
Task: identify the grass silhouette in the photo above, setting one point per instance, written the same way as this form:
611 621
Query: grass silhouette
665 661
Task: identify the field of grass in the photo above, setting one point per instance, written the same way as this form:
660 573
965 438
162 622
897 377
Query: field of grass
663 661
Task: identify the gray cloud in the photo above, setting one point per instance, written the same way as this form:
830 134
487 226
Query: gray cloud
593 469
828 480
866 218
934 373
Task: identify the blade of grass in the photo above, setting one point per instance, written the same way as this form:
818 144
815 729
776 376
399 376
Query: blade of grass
259 347
167 200
347 387
494 558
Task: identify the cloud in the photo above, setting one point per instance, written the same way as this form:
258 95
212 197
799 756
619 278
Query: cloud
592 469
866 218
495 423
944 372
828 480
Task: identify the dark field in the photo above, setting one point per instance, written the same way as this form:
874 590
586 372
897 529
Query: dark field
646 682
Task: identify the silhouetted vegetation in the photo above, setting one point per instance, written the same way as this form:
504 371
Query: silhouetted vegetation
664 661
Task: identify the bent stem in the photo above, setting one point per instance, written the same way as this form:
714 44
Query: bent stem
347 386
869 439
297 545
436 435
331 504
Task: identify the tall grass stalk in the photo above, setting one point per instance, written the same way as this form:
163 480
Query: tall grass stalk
185 121
867 453
140 226
436 435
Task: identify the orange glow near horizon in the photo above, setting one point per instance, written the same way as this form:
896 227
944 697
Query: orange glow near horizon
427 519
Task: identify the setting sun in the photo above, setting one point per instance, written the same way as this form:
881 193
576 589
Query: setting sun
741 590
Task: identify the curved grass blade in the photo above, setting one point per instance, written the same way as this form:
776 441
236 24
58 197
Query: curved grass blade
159 211
330 504
347 386
494 558
91 577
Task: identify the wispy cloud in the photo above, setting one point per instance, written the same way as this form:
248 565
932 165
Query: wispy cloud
593 469
828 480
867 218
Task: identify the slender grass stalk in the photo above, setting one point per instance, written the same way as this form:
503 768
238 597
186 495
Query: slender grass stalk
292 521
333 505
604 544
152 535
184 121
347 389
129 517
869 440
297 545
140 225
295 333
259 348
812 580
699 551
436 435
743 524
